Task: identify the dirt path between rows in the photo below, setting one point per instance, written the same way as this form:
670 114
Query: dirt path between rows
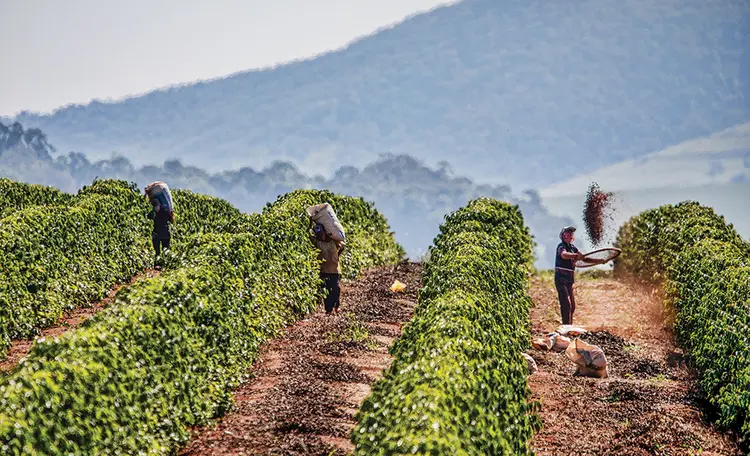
309 382
649 405
19 348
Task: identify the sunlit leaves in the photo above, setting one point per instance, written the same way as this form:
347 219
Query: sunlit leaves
56 257
166 354
458 384
704 267
15 196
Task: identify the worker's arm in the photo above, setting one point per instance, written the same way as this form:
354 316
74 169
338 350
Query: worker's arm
314 240
342 246
571 256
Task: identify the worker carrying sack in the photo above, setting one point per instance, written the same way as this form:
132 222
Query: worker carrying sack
324 214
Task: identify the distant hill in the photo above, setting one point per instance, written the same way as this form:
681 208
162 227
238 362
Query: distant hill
720 158
523 92
414 197
727 199
713 169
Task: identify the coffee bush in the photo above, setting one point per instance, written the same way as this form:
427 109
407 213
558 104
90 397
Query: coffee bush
457 384
704 267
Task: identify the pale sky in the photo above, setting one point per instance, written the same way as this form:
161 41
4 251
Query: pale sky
57 52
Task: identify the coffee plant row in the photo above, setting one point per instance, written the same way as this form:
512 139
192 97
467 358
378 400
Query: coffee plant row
15 196
704 267
60 251
458 384
166 354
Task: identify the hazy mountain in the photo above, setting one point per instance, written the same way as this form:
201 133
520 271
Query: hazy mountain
523 92
413 197
720 158
727 199
713 170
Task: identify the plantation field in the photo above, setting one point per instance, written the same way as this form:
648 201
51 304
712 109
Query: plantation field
309 383
226 351
166 353
648 405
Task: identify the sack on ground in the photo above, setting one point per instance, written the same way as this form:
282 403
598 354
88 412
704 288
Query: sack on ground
530 363
160 191
571 331
551 341
594 373
543 343
324 214
559 343
589 358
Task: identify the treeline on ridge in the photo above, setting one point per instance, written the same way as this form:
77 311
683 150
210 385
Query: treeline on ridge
413 196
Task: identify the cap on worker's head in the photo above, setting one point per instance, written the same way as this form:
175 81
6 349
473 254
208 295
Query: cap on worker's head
318 228
567 229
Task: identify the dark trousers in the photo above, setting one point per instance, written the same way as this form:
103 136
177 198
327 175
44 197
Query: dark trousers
160 243
567 300
332 291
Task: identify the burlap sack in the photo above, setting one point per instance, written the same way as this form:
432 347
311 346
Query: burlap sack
589 358
324 214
